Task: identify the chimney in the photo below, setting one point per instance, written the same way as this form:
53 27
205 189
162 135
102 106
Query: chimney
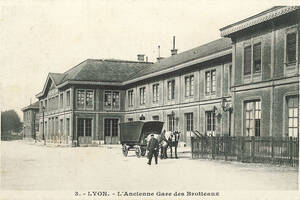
173 51
141 57
159 58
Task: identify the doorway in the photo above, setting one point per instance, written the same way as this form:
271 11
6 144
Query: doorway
111 130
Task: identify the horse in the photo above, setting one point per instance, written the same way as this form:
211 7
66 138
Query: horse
169 139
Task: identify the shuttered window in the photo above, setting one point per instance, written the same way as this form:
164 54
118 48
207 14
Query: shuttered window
257 58
291 47
247 60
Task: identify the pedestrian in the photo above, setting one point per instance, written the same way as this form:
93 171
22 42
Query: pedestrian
152 148
142 117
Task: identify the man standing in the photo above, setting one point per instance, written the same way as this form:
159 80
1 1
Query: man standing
152 147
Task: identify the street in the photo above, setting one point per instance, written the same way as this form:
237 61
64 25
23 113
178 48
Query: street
28 166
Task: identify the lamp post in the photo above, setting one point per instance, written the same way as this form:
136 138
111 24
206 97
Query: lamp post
227 108
43 110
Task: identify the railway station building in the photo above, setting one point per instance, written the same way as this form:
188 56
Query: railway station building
243 84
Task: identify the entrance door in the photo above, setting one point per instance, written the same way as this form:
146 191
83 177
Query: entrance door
84 131
111 129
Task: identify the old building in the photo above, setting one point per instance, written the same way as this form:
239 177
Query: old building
246 83
265 58
31 121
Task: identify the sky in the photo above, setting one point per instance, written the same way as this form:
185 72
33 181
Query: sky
52 36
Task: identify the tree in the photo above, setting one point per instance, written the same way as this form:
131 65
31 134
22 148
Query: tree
10 121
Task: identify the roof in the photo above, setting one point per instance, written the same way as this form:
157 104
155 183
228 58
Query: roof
110 70
34 105
264 16
186 56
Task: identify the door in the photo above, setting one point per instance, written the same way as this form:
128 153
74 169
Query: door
84 131
111 130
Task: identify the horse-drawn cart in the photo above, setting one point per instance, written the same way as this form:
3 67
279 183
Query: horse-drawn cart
133 135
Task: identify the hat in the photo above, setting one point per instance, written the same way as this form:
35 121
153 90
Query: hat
152 134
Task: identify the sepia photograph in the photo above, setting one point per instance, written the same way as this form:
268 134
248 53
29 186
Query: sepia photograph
149 99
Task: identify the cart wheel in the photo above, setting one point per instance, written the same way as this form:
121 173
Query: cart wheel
138 151
125 150
143 153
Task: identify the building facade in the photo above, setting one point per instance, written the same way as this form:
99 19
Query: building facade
265 57
245 84
31 121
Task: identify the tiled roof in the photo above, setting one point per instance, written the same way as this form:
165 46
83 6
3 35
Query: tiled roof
192 54
264 16
110 70
56 77
34 105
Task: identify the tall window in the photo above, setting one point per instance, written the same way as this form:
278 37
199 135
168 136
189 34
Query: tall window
61 126
61 100
85 99
112 100
256 66
84 127
247 60
89 99
189 121
171 89
293 116
130 98
80 98
257 57
291 48
68 126
68 98
189 86
253 118
155 92
171 122
210 82
210 122
142 96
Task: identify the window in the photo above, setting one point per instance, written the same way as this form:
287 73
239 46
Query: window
291 48
253 118
210 81
255 66
156 118
155 92
293 113
61 129
171 89
84 127
247 60
88 127
85 99
68 98
210 122
68 126
107 98
111 127
171 122
80 98
61 100
89 99
142 96
189 86
257 57
189 121
112 100
130 98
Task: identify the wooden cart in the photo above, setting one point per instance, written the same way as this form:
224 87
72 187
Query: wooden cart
133 135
